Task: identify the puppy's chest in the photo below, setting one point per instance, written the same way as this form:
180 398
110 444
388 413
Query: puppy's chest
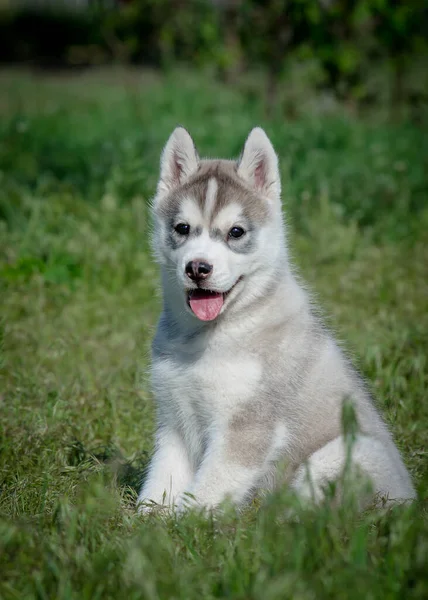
208 386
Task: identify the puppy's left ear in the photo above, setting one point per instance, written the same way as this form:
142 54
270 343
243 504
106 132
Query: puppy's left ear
258 165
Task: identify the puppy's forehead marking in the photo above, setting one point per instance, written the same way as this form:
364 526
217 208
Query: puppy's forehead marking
231 189
189 197
213 187
210 198
190 210
227 215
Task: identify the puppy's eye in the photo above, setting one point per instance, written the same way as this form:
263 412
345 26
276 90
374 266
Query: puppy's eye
182 228
236 232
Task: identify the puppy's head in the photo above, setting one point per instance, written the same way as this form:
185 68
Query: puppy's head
217 224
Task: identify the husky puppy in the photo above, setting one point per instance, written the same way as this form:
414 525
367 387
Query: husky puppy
244 375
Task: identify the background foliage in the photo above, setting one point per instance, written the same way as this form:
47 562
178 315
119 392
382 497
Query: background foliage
367 51
341 88
79 301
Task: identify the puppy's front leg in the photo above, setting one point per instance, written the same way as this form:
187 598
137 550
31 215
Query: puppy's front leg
169 473
226 472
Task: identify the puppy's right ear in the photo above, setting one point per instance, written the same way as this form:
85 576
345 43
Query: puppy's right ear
179 160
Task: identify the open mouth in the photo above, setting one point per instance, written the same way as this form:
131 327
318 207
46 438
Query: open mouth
207 304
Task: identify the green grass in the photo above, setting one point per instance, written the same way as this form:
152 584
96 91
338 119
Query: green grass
79 303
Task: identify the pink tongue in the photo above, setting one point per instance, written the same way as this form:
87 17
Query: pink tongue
206 305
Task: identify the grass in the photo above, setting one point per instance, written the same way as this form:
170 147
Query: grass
79 303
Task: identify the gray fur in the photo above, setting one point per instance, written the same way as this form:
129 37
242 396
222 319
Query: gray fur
230 187
250 432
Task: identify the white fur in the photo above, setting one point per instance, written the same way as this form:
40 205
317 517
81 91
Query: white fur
264 381
210 197
328 463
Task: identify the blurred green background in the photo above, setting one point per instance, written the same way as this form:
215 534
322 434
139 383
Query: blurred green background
89 93
364 52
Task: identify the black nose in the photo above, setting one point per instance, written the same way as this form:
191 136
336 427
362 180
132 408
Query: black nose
198 269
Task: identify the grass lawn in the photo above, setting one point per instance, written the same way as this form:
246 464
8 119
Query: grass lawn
79 302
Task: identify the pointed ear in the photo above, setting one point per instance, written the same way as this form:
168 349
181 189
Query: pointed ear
258 165
178 161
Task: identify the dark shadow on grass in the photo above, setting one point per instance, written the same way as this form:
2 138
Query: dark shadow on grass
128 473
